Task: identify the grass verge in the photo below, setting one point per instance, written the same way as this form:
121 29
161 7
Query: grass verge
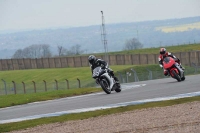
80 116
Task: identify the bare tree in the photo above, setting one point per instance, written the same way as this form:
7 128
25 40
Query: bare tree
62 51
28 52
78 50
75 50
33 51
45 50
59 50
18 54
132 44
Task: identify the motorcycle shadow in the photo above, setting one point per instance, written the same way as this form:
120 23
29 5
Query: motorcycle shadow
176 81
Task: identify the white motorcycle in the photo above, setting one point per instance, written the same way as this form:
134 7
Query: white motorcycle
106 81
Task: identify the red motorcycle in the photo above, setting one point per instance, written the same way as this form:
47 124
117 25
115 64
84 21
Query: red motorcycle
173 69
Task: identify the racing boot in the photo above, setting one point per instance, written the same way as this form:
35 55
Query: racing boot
116 79
166 73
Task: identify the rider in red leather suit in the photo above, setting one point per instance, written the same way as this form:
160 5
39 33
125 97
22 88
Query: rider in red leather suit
163 54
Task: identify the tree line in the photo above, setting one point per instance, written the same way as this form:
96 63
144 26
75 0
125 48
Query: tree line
43 50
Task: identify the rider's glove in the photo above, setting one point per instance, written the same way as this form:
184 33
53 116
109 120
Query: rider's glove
161 66
104 67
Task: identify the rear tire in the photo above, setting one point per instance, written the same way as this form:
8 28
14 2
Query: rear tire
118 89
176 76
105 86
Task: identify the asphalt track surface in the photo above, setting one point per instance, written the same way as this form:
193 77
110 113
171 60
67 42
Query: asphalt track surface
130 92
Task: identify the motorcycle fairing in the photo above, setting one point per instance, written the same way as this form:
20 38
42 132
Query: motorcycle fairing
111 80
168 62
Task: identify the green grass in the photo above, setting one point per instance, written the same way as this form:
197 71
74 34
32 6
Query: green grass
80 116
49 75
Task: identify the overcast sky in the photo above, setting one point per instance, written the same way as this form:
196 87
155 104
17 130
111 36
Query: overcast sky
35 14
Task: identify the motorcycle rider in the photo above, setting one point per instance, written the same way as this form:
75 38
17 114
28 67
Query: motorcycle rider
163 54
94 62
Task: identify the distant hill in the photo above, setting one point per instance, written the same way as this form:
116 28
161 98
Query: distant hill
149 33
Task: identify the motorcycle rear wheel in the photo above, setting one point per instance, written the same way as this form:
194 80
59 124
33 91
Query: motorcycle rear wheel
105 86
118 89
183 78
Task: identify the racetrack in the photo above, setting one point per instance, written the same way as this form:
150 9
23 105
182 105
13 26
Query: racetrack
130 92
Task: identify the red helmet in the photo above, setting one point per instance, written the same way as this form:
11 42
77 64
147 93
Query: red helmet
162 50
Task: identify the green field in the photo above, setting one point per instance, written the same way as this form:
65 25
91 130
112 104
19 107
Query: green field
49 75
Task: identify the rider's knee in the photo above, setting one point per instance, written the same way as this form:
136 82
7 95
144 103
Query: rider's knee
165 73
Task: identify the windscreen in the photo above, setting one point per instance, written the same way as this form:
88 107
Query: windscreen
96 71
166 59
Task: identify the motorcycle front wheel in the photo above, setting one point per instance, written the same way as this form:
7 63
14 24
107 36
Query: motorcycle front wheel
176 76
105 86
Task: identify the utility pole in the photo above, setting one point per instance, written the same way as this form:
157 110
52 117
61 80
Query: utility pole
103 38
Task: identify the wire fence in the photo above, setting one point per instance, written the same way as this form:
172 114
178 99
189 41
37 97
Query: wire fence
7 88
133 76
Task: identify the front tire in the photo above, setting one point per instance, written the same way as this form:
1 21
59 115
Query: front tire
176 76
105 86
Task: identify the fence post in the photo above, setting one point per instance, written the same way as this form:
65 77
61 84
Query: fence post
67 83
34 86
127 75
45 85
195 67
56 84
135 75
79 83
14 87
120 76
4 86
150 74
24 87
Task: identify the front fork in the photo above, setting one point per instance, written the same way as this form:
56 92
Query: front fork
179 69
97 81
